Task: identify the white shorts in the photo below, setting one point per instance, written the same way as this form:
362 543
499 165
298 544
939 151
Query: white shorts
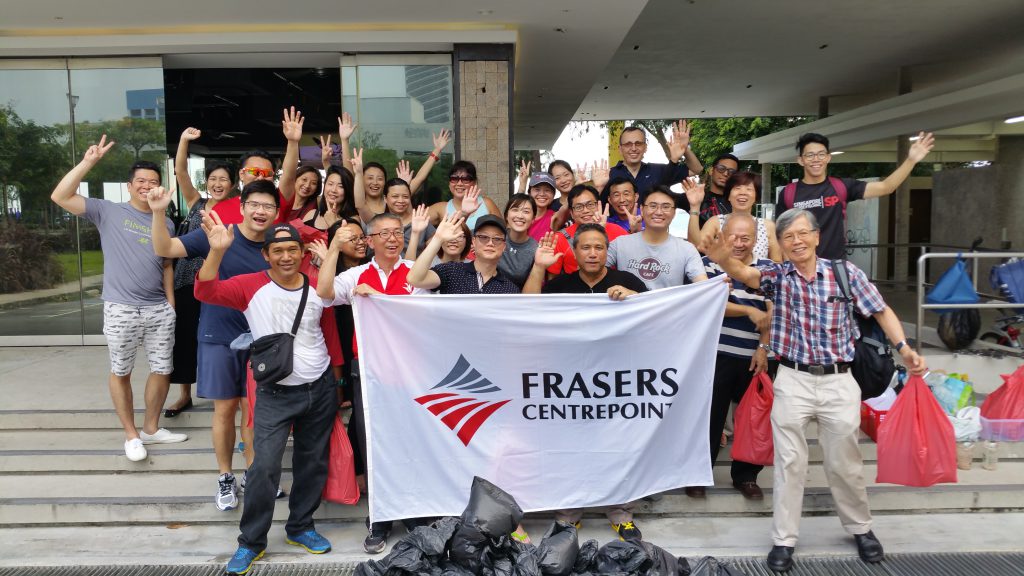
128 327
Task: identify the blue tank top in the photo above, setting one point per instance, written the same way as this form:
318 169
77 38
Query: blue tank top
471 220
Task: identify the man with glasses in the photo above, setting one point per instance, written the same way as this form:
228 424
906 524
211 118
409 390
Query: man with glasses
826 197
644 175
138 293
655 256
813 335
221 370
622 199
480 276
386 273
584 207
714 202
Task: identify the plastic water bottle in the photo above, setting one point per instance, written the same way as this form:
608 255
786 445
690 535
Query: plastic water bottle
990 461
964 455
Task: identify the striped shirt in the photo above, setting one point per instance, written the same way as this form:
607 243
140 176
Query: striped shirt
810 323
739 335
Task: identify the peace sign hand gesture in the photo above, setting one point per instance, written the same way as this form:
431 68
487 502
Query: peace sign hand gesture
94 153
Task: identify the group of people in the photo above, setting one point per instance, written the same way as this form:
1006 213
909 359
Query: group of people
242 267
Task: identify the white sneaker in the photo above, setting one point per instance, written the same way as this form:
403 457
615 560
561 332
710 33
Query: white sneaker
227 492
162 436
134 450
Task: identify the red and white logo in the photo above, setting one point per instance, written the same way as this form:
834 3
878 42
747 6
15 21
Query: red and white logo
459 407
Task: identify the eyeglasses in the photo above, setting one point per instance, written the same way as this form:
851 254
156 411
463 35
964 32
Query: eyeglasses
666 207
722 169
258 172
485 239
801 234
639 144
461 179
387 234
358 239
261 206
585 206
816 155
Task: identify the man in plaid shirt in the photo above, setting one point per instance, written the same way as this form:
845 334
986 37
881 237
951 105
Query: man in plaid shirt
814 337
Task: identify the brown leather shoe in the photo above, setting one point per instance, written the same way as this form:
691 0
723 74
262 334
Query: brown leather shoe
696 491
750 490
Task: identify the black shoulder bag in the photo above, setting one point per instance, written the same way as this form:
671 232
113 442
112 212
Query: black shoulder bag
272 355
873 364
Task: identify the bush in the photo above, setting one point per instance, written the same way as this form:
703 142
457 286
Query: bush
26 259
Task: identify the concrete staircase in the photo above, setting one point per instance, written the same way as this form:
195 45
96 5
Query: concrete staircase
67 468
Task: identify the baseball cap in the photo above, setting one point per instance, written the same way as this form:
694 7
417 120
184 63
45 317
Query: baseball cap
490 220
272 235
541 178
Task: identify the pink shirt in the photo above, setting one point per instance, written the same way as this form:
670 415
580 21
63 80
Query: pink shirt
541 225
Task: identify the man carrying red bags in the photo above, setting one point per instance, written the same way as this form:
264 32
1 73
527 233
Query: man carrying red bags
812 333
742 350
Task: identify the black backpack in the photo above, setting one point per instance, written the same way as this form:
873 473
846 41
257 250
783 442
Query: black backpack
873 364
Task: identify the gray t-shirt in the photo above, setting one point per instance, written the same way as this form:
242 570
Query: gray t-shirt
658 265
517 259
132 273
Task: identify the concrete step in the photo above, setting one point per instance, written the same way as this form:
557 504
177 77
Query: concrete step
102 418
62 499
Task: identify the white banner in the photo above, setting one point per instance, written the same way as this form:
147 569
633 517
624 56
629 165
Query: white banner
563 401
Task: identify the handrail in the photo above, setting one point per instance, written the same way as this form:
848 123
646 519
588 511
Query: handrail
922 306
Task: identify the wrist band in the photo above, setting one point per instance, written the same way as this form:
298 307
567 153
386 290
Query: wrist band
435 156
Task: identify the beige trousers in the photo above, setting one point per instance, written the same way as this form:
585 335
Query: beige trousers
616 514
834 400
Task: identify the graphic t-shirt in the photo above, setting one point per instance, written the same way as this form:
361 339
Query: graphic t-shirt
132 273
822 201
670 263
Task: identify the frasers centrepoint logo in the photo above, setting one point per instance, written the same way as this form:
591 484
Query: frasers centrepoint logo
462 402
458 407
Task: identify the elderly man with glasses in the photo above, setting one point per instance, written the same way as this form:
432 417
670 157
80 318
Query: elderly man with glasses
826 197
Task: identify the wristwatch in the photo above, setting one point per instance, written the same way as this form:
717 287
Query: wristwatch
900 345
764 347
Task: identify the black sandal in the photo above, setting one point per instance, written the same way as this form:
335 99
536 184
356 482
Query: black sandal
172 412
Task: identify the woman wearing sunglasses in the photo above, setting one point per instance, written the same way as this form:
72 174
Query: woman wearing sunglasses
467 200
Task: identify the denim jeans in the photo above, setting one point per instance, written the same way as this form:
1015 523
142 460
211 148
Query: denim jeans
308 412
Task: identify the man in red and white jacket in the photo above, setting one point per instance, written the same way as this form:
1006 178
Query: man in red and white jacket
385 273
303 402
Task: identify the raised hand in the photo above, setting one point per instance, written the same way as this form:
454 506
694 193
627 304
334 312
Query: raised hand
524 169
219 236
441 139
420 219
718 249
679 140
449 228
694 190
345 126
636 219
471 201
191 134
158 198
318 248
326 151
921 147
342 235
94 153
603 212
291 125
581 172
545 256
600 174
357 161
404 171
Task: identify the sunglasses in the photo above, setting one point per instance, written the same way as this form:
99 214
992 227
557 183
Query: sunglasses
724 170
258 172
461 179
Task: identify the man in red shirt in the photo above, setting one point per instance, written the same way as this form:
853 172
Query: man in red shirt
585 207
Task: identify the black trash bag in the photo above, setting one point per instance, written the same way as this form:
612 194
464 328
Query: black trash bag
527 562
664 563
491 510
558 549
711 566
623 556
586 558
453 569
371 568
467 548
959 328
418 552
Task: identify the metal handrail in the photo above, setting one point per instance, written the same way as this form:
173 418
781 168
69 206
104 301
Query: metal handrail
922 306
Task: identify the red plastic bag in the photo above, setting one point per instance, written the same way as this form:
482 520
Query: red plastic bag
916 443
341 468
753 437
1007 402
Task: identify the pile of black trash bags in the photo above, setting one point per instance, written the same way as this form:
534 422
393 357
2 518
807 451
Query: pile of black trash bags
479 544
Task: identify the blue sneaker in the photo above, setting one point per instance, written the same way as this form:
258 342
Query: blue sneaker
312 541
242 561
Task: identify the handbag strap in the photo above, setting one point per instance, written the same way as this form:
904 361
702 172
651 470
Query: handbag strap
302 304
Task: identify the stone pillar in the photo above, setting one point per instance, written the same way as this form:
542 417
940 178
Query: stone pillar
484 77
902 203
